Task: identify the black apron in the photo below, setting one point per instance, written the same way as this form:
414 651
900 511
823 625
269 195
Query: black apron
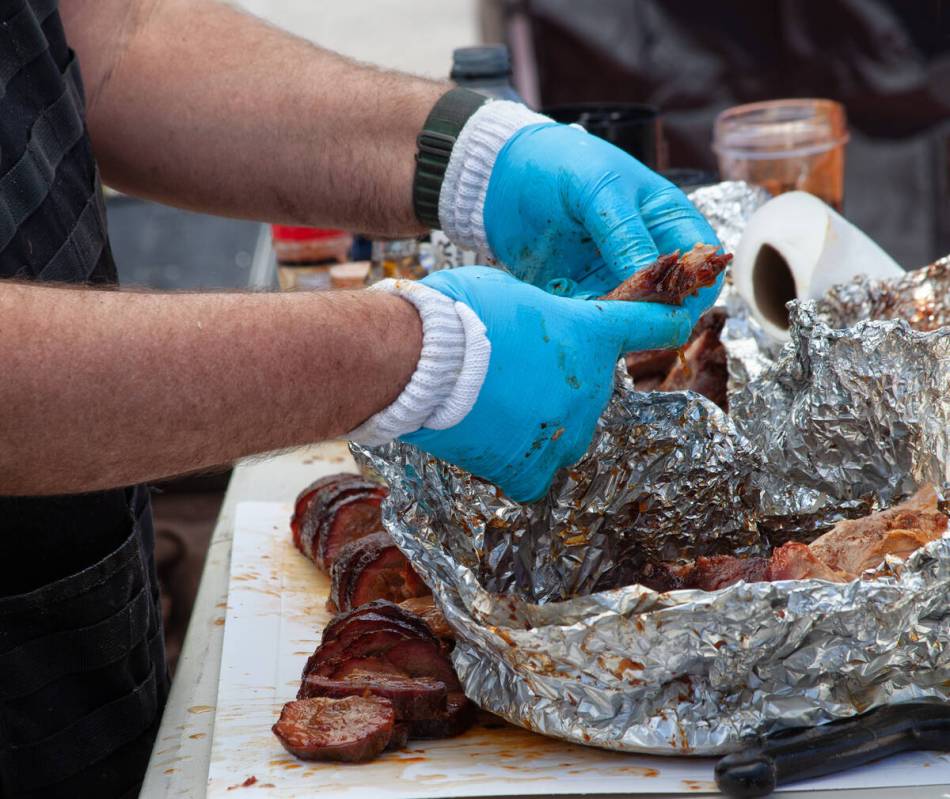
82 662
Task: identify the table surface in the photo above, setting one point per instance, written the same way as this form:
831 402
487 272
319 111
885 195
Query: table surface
179 763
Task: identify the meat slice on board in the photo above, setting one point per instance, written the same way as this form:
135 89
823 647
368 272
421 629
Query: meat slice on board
412 698
352 730
373 567
347 519
404 612
458 717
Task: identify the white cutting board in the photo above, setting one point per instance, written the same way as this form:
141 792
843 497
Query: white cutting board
274 618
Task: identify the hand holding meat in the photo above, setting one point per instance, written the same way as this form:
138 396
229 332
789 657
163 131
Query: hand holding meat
563 205
549 375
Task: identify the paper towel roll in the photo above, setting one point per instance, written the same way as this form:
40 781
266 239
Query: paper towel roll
797 247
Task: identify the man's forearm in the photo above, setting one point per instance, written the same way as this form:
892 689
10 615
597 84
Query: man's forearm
200 105
106 388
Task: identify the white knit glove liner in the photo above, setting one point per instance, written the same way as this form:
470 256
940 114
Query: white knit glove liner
462 197
448 376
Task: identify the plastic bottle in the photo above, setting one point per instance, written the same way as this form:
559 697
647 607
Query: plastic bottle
486 70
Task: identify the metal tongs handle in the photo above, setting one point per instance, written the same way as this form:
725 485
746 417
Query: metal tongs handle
829 748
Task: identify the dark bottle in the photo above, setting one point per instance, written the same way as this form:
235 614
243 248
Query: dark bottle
486 70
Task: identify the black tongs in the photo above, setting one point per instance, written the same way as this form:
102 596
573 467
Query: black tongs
816 751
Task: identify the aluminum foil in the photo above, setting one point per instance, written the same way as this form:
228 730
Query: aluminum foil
728 206
850 415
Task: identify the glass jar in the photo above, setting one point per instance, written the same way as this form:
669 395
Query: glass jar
785 145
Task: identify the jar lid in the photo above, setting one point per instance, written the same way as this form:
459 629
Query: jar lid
780 128
294 233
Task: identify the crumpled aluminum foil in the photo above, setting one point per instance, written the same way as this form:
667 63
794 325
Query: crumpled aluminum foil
843 419
858 410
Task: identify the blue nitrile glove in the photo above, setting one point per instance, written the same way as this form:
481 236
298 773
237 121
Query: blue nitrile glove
550 374
562 203
563 209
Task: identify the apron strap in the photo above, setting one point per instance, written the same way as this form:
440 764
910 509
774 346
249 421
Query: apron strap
26 39
35 664
83 244
82 744
54 133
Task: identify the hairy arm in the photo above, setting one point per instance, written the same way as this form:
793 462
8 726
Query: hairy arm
196 104
106 388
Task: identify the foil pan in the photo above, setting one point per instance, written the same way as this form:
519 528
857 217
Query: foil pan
850 415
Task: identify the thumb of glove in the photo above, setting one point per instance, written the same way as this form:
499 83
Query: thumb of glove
644 325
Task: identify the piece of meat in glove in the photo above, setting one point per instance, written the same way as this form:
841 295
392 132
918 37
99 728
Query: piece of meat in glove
672 278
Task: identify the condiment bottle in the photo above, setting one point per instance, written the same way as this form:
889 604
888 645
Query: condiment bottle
305 255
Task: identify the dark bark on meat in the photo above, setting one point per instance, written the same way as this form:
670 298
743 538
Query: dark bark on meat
372 567
658 576
702 366
458 717
401 613
305 500
371 622
315 511
672 278
704 369
348 519
399 738
645 364
412 698
352 730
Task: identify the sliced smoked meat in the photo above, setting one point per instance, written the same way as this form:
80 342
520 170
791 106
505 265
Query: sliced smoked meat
347 519
459 716
400 737
411 697
420 658
378 607
305 499
425 608
350 666
328 657
369 568
317 510
352 730
372 622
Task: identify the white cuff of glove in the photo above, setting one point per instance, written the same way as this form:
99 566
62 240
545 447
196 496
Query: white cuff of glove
448 376
462 197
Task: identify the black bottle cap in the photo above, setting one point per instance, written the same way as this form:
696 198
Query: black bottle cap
487 61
